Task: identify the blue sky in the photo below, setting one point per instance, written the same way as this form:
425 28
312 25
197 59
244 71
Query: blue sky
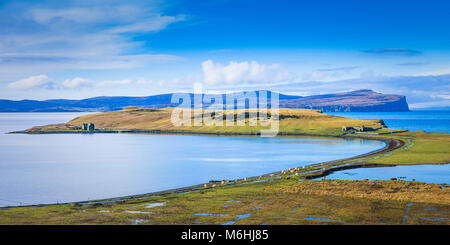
79 49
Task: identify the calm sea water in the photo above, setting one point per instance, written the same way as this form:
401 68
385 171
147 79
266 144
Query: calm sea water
74 167
428 121
438 174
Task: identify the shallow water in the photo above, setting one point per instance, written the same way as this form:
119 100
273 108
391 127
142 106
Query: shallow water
437 174
53 168
319 219
238 217
156 204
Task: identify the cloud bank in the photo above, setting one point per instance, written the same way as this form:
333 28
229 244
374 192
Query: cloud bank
243 72
38 37
44 82
76 83
40 81
393 51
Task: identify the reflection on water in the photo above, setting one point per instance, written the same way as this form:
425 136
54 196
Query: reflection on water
437 174
75 167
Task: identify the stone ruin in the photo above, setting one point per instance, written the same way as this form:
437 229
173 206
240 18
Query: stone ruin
88 127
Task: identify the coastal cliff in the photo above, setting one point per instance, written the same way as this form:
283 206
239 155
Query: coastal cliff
355 101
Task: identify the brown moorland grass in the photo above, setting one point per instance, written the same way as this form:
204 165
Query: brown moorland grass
282 201
294 121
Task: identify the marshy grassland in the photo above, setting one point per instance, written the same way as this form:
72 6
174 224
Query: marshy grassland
284 198
288 200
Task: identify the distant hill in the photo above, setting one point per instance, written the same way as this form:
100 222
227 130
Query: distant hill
135 119
358 101
355 101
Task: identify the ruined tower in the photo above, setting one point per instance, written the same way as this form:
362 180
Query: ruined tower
91 127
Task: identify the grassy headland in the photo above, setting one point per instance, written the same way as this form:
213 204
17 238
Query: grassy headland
420 147
292 121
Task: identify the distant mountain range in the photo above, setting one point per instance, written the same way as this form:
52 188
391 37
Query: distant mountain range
355 101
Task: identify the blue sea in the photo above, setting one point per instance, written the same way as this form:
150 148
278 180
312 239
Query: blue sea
75 167
428 121
50 168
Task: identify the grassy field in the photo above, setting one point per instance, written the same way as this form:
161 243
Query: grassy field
421 148
288 199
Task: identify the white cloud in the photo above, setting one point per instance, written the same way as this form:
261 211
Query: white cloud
143 81
444 96
158 22
41 81
45 38
314 76
330 74
80 15
243 72
76 83
107 83
435 72
422 105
